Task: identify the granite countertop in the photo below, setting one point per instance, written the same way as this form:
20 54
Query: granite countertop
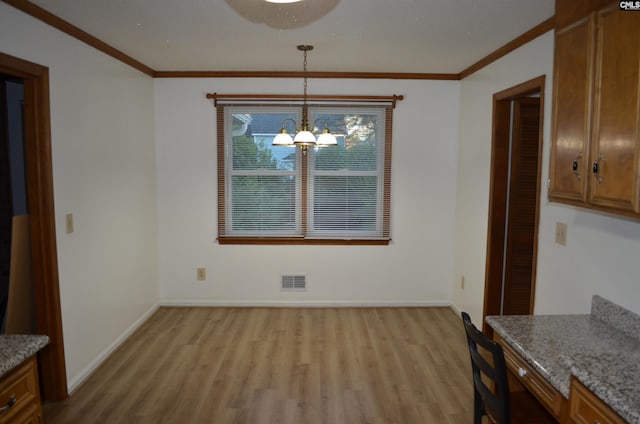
601 352
15 349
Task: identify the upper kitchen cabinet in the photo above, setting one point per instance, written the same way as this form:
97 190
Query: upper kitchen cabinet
595 156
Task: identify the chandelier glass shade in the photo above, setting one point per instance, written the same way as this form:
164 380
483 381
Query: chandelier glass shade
304 137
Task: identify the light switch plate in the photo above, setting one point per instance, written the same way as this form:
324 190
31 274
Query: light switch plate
68 222
561 233
201 274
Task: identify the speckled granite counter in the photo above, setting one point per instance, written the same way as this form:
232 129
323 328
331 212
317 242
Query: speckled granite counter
14 349
601 349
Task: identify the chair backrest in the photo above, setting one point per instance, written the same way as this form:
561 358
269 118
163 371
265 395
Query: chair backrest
491 394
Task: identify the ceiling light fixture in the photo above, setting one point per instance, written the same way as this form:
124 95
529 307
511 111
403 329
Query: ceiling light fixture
282 1
305 138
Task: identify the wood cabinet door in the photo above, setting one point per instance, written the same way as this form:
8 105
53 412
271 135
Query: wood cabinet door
587 408
615 143
572 88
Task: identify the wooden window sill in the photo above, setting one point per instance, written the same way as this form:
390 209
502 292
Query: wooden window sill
301 241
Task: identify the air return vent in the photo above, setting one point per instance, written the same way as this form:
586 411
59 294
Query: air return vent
293 283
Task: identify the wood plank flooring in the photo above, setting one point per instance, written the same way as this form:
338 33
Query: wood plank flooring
282 365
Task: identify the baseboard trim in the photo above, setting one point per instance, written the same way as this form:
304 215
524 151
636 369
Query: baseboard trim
303 304
456 309
76 381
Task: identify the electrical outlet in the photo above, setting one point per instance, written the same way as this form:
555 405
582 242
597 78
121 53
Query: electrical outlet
68 222
201 274
462 282
561 233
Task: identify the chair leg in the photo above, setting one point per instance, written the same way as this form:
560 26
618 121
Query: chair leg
478 409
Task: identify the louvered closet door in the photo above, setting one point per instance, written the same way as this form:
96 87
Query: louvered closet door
522 207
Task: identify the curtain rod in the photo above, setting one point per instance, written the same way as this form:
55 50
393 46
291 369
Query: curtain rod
284 97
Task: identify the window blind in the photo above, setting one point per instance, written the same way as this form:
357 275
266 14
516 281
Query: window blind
263 181
347 181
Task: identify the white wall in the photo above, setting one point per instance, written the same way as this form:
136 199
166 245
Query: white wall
103 166
414 269
104 116
601 256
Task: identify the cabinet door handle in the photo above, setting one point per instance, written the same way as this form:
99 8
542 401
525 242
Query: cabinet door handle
596 169
522 372
575 166
9 405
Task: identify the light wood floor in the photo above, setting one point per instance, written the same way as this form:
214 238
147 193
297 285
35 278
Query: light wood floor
282 365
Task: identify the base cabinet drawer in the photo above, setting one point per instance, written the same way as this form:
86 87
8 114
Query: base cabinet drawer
587 408
20 396
30 415
548 396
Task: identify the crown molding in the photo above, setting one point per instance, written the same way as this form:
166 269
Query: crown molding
517 42
70 29
280 74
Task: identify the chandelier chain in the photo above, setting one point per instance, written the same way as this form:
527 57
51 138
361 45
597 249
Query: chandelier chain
305 137
305 75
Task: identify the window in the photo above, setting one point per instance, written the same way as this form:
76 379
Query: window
277 194
262 182
346 181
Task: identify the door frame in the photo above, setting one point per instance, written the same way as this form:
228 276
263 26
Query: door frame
498 188
44 256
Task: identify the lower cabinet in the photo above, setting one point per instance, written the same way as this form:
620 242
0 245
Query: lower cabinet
20 395
548 396
587 408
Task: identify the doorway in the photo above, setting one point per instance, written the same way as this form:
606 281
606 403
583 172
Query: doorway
39 190
13 204
514 199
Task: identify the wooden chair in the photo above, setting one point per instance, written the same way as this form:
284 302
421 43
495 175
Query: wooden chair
491 396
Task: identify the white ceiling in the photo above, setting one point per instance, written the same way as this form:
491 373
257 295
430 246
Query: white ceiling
421 36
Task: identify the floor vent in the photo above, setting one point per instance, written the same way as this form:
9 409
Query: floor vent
293 283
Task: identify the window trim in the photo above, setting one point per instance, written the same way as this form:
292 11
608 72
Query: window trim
222 101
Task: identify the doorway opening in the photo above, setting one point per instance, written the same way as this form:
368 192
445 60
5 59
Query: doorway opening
514 199
16 298
42 233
